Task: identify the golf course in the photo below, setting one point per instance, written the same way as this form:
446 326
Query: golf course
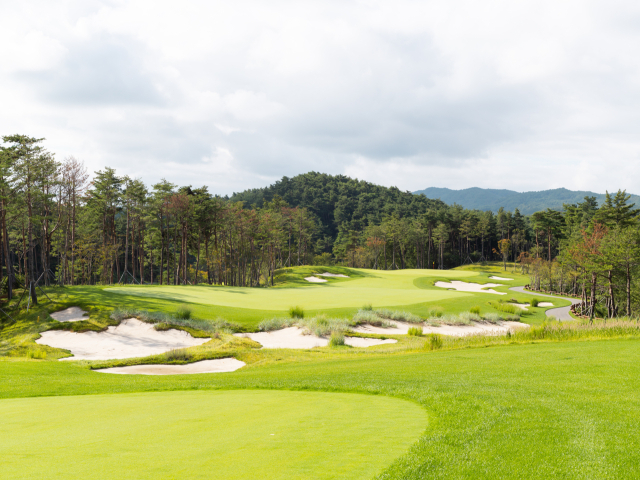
538 399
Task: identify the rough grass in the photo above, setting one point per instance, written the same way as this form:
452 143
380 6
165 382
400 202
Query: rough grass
163 321
296 312
507 308
415 331
337 339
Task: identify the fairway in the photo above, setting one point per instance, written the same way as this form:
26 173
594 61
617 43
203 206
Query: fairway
379 288
211 434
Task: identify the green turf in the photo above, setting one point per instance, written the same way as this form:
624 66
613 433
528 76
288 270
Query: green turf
228 435
549 410
378 288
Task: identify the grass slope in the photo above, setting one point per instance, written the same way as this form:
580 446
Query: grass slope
549 410
206 434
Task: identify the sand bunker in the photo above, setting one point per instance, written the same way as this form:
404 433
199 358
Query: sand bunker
132 338
71 314
205 366
470 287
500 278
402 328
525 305
315 279
293 337
327 274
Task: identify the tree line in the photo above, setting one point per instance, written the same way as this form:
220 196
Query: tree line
61 225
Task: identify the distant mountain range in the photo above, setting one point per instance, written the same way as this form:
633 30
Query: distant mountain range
526 202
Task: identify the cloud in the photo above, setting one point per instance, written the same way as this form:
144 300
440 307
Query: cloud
525 95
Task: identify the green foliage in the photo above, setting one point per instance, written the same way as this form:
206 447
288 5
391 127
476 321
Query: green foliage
296 312
275 323
415 331
183 312
434 341
367 307
337 339
475 309
506 308
178 354
534 302
435 312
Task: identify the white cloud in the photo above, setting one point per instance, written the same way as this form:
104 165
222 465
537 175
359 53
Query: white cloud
524 95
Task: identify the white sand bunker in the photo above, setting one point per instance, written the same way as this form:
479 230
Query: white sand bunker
500 278
205 366
524 306
71 314
327 274
132 338
402 328
470 287
315 279
293 337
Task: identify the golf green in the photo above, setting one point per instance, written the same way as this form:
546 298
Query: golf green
379 288
238 434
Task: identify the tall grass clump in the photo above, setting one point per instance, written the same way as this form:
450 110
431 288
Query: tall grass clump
370 317
367 308
398 315
183 312
36 354
177 354
296 312
163 321
435 312
434 341
534 302
415 332
475 310
337 339
507 308
322 326
276 323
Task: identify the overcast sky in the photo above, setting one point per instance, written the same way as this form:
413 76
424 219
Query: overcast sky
236 94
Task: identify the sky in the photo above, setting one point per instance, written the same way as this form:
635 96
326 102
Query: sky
524 95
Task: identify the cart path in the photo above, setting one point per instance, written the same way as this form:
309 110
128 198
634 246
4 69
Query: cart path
561 313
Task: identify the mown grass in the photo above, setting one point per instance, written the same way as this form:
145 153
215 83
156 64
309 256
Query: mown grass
542 409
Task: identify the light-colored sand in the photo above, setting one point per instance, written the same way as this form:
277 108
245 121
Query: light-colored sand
205 366
315 279
500 278
525 305
327 274
470 287
132 338
293 337
401 328
71 314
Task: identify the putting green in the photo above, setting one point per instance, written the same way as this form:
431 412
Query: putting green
379 288
237 434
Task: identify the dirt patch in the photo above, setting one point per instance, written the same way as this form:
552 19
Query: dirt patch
71 314
132 338
205 366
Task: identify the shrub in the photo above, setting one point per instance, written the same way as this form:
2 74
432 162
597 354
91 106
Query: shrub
296 312
337 339
276 323
435 312
475 310
177 354
534 302
183 312
415 332
434 342
367 308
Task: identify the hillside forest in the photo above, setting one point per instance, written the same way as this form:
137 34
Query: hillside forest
61 225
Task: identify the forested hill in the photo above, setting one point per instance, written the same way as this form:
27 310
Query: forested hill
527 202
338 200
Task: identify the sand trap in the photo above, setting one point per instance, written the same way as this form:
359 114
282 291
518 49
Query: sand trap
71 314
500 278
293 337
525 305
132 338
315 279
401 328
327 274
470 287
205 366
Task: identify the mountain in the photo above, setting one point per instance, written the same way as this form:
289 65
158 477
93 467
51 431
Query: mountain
527 202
